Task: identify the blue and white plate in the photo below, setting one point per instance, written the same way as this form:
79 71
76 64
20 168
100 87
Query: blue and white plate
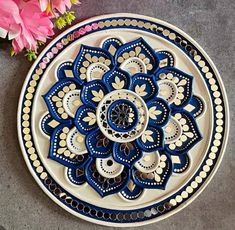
123 120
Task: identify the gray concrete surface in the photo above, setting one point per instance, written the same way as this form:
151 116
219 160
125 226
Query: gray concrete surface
23 205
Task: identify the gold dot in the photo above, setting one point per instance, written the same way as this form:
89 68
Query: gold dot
35 77
209 75
31 150
173 202
101 25
33 83
194 184
197 58
65 130
39 71
62 143
26 109
64 115
66 153
142 56
26 130
107 62
179 198
189 189
198 179
25 117
159 171
125 55
149 66
60 110
121 22
134 22
43 175
202 174
29 144
219 115
216 94
172 146
36 163
206 168
29 96
72 86
86 63
212 156
80 138
216 142
166 32
218 101
25 124
31 89
172 36
178 143
101 59
219 122
63 136
140 24
27 103
212 81
33 157
66 89
147 25
58 104
214 87
205 69
83 76
27 137
39 169
94 59
209 162
201 63
178 116
184 194
120 59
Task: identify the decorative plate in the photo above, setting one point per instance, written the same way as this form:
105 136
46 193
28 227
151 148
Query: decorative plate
123 120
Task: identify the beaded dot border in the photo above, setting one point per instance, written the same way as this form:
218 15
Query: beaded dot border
143 214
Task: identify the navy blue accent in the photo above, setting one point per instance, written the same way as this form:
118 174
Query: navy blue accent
156 141
191 141
188 88
150 89
93 51
88 90
163 106
77 175
198 103
146 49
148 181
77 161
48 130
83 126
106 186
132 195
164 54
115 42
53 92
98 145
183 165
110 76
127 153
118 111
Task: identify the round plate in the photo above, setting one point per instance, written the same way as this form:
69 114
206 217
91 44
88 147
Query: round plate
112 122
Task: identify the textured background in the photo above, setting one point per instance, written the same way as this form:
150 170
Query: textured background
23 205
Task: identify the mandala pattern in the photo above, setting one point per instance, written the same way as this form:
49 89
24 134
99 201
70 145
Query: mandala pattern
122 118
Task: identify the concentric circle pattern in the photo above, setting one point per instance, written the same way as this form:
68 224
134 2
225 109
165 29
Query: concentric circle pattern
121 120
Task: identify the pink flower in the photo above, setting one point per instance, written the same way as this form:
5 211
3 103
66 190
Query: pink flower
60 5
25 23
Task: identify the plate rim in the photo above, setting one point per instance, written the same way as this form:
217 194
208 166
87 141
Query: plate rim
208 178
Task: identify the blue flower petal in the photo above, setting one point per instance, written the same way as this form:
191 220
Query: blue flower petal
112 44
157 179
132 191
179 82
144 85
90 58
117 79
59 150
166 58
159 112
180 162
76 176
137 57
93 92
65 70
126 153
85 119
185 136
151 140
196 106
106 186
48 124
54 98
98 145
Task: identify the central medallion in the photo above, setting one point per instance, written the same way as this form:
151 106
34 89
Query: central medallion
124 116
